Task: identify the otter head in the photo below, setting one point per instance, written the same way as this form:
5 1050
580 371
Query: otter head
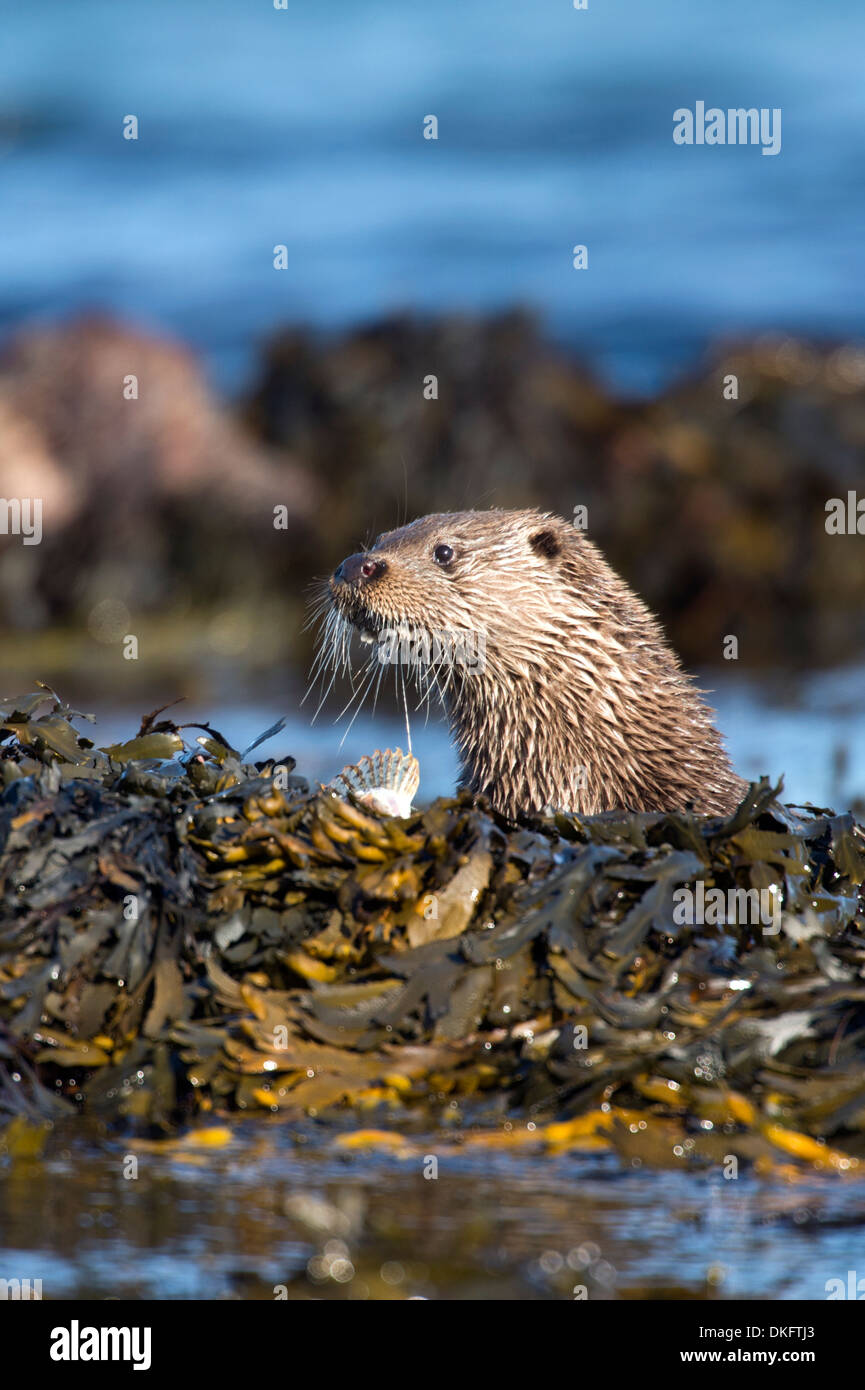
558 684
455 581
471 604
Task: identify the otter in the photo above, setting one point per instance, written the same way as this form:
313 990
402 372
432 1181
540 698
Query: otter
575 702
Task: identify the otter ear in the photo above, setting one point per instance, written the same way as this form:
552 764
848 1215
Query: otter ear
545 543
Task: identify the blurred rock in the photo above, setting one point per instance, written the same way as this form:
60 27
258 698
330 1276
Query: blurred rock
738 490
713 508
158 501
514 420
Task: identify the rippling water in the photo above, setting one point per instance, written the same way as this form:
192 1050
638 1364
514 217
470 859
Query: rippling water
280 1207
303 127
810 729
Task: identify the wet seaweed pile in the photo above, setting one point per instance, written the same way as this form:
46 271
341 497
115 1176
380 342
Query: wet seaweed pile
186 933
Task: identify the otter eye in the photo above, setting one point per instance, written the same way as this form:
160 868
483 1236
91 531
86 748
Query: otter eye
443 554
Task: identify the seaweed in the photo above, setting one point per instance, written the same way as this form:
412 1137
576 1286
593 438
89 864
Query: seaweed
185 933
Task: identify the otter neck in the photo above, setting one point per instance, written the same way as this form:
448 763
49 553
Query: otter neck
518 750
530 744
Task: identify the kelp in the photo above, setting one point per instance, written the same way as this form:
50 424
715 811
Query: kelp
187 934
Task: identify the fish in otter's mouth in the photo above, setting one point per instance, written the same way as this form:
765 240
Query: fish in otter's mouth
559 686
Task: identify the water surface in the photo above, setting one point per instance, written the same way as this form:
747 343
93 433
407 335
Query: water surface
281 1212
808 729
302 127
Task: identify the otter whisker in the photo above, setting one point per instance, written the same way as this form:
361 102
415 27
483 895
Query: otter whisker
381 671
405 708
332 656
324 656
431 685
327 691
366 675
318 606
364 694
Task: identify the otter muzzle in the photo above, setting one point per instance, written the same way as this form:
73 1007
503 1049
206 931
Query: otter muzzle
359 569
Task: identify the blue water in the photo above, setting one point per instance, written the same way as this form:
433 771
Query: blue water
810 730
303 127
238 1222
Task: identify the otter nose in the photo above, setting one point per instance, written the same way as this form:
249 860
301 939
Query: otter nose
359 568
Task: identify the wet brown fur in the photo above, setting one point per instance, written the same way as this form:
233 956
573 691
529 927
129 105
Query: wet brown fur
580 704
